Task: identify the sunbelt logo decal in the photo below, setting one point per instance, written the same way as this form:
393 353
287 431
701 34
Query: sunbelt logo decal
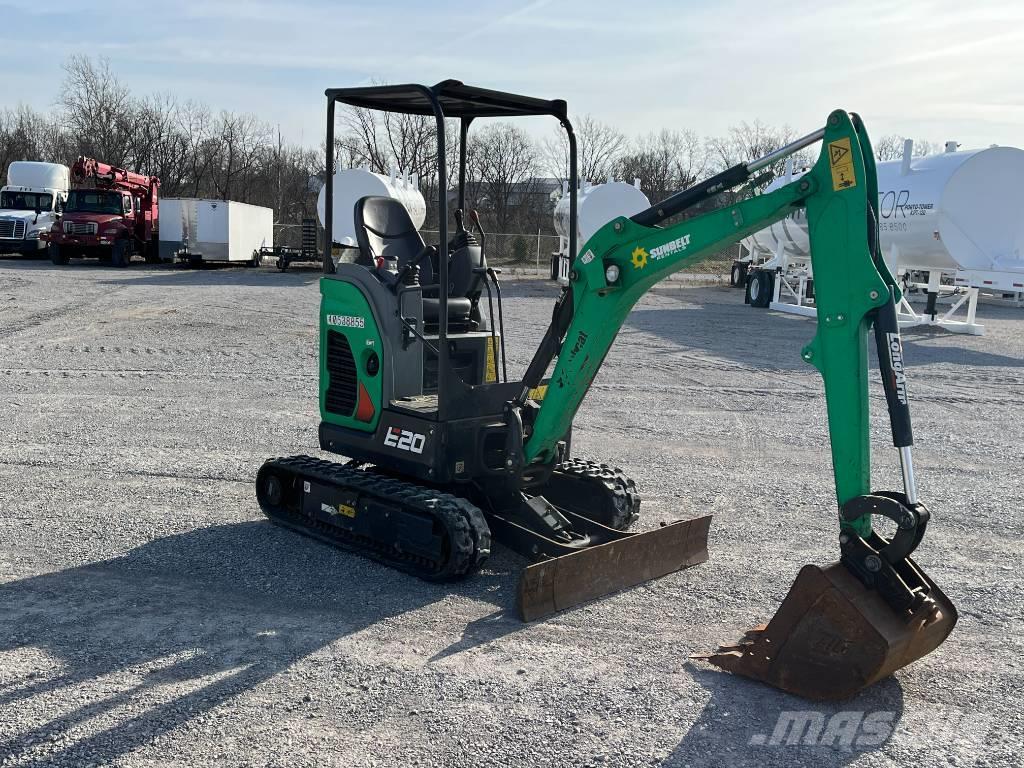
346 321
641 255
671 247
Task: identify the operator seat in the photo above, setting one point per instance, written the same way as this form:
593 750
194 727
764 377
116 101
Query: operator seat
384 229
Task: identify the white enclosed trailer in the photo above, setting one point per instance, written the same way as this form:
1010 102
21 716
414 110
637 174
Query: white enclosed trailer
198 230
30 203
950 224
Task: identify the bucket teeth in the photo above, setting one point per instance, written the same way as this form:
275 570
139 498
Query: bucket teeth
833 637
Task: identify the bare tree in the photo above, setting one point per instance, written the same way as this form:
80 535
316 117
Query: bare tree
98 110
750 141
160 143
665 162
241 140
598 146
890 147
28 135
502 161
196 126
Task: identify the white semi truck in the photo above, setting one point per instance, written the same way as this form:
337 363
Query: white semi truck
30 204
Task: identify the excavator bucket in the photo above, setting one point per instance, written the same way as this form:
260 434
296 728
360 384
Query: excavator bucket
833 637
567 580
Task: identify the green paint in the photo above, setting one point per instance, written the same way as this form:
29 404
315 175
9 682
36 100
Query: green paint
837 193
346 305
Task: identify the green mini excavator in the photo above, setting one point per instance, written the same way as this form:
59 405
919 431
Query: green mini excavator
446 451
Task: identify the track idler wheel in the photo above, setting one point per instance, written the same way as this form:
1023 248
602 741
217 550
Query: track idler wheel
833 637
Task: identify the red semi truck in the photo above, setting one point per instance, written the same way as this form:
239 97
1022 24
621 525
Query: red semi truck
110 213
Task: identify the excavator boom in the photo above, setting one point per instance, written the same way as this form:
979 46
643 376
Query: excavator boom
875 611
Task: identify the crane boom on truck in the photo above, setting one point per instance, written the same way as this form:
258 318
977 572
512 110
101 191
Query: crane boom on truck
447 451
111 213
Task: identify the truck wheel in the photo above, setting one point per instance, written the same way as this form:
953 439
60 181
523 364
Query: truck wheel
759 288
738 276
57 254
120 254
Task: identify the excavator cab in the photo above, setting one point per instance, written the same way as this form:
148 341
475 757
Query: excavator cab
448 452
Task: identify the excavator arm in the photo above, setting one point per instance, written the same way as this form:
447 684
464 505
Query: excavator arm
883 608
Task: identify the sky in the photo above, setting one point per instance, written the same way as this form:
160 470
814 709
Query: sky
930 69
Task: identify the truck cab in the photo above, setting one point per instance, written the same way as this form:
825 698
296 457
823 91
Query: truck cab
111 214
94 219
30 204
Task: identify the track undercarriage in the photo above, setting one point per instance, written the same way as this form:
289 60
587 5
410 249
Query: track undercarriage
442 534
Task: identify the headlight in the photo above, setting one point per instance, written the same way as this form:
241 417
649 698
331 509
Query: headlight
33 234
113 231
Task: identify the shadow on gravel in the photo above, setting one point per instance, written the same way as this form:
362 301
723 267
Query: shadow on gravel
747 724
728 331
773 340
222 275
178 627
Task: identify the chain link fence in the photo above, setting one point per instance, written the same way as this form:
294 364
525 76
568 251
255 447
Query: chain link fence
532 254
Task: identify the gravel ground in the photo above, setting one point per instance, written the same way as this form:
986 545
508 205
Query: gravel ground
150 616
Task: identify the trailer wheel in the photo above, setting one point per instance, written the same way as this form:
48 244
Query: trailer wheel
58 255
738 276
759 288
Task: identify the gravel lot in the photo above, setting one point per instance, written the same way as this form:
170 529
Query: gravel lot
149 615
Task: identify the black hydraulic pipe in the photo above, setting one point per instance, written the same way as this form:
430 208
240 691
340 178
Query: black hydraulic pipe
690 197
894 380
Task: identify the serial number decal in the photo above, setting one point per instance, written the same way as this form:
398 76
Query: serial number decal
404 440
346 321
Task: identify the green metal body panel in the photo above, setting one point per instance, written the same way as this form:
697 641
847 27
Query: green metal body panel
837 193
344 308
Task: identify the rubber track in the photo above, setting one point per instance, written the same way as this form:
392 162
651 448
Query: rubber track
624 508
468 534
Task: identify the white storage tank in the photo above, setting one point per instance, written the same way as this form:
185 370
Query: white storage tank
596 205
951 211
197 230
354 183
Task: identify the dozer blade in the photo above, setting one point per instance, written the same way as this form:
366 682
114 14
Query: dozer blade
562 582
833 637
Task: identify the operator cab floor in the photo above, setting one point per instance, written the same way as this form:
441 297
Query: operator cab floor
419 405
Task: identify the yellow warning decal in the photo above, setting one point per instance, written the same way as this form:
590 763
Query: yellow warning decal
490 366
537 393
840 159
346 510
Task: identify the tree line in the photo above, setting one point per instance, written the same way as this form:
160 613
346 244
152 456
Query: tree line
513 178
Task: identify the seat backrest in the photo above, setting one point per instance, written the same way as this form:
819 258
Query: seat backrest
383 228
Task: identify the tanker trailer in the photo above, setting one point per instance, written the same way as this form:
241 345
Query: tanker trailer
596 205
350 186
949 225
